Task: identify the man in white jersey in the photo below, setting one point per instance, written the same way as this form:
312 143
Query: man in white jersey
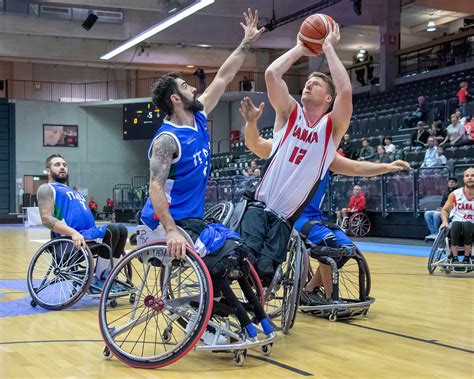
461 203
305 140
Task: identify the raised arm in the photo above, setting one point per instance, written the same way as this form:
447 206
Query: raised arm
164 148
446 210
342 109
45 196
232 65
254 142
348 167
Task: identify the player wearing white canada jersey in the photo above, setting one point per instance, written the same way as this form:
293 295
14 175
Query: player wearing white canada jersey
305 139
301 155
461 203
463 206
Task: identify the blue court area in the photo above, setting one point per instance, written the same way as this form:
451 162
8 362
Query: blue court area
397 249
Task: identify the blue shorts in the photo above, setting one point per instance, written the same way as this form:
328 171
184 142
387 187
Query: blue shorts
94 233
318 233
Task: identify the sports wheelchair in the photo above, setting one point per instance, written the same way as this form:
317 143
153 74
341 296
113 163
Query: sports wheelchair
357 224
282 295
174 308
59 275
351 282
440 252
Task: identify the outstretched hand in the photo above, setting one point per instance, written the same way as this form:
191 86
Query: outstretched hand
252 33
399 165
249 111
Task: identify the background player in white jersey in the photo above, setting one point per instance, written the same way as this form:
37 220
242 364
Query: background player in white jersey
329 236
461 203
65 212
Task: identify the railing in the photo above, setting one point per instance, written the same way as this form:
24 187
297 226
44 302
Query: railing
449 51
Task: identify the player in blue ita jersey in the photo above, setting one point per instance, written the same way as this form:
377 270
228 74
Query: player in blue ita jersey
179 169
312 222
65 212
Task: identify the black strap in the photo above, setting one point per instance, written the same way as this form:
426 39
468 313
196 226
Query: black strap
309 225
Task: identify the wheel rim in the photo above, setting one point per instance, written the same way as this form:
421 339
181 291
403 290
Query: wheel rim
220 212
359 225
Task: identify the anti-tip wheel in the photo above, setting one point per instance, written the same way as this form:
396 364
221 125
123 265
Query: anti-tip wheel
267 349
113 303
33 303
106 352
333 316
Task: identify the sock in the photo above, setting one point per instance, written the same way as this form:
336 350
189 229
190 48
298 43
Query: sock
251 331
266 326
102 268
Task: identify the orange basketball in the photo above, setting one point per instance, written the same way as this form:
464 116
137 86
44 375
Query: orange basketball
314 30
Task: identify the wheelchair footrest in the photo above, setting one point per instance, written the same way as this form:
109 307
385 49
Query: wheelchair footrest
239 345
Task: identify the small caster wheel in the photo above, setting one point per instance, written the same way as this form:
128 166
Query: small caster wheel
33 303
106 352
239 357
132 298
333 316
113 303
167 335
267 349
366 311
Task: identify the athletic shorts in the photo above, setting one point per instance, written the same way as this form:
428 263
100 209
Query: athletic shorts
318 233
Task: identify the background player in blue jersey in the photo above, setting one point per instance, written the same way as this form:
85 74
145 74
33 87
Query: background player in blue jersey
316 232
65 212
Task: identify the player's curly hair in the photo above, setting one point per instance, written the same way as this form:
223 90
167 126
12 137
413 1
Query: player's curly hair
164 88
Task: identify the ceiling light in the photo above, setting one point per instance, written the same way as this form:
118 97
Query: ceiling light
431 26
193 8
190 66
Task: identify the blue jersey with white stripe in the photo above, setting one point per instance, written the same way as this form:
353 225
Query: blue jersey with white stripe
313 210
186 184
71 208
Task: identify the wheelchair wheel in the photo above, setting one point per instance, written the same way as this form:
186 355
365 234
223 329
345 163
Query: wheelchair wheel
354 279
171 309
221 212
59 274
359 224
439 249
255 283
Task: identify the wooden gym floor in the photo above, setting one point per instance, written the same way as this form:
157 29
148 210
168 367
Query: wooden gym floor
419 326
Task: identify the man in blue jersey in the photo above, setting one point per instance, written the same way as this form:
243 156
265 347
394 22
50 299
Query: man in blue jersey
64 211
179 169
317 232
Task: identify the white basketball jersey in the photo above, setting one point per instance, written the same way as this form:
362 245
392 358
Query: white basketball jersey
463 207
301 155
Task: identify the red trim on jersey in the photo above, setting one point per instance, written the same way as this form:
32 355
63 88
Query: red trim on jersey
291 124
311 126
323 162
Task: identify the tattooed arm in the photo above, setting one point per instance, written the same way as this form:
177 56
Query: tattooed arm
231 66
45 197
164 148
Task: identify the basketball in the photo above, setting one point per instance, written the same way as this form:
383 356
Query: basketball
314 30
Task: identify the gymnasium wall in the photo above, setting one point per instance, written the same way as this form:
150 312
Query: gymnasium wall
102 159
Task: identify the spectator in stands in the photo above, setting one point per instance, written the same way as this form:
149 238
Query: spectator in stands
356 204
367 152
431 154
455 132
256 173
420 114
347 147
93 207
370 66
108 207
360 71
440 159
247 84
461 118
201 75
462 97
437 131
468 132
381 156
390 148
419 137
433 218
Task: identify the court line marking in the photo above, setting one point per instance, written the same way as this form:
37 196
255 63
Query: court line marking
267 360
432 342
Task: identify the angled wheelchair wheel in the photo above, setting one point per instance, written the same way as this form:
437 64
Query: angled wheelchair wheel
439 251
254 282
354 279
221 212
171 309
359 224
59 274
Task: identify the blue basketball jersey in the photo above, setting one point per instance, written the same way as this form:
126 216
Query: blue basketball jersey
186 184
71 208
313 210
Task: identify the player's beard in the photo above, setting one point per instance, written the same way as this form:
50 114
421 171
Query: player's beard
194 106
59 178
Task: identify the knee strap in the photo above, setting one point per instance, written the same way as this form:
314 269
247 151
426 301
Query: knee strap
309 225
